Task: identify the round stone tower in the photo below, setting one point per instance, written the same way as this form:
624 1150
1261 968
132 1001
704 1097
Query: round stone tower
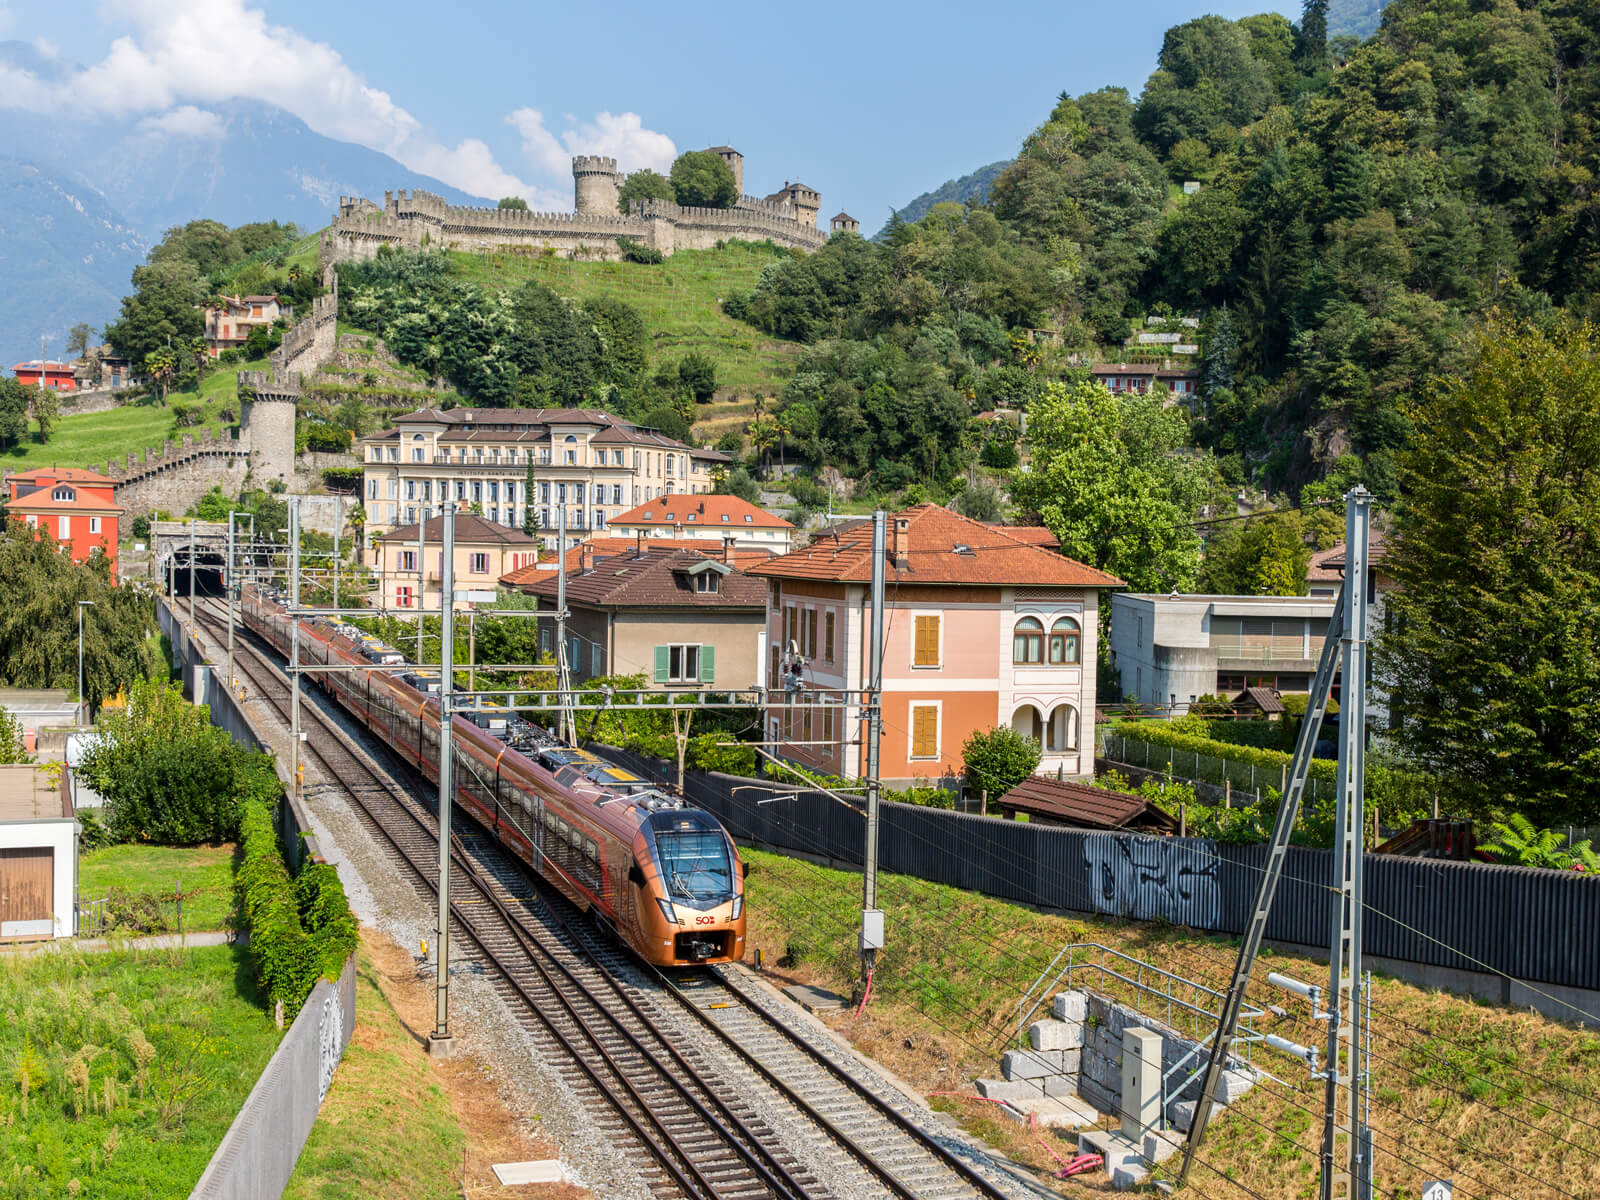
266 417
596 185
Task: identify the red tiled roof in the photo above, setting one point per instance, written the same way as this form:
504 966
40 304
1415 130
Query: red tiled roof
1034 535
63 475
603 548
1058 802
942 547
651 580
471 529
706 512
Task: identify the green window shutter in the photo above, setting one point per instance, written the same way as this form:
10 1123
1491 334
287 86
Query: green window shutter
708 664
661 664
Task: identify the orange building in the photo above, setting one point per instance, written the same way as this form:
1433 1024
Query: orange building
76 508
982 627
58 376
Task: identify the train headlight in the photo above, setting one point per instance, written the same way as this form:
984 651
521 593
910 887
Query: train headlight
667 911
738 907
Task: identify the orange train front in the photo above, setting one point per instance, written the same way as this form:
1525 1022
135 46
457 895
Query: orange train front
665 877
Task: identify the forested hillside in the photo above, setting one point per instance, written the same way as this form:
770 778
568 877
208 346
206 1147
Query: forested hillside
1359 210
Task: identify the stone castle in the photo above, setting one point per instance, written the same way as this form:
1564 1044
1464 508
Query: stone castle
415 219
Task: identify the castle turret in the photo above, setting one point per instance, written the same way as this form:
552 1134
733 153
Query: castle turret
597 185
844 223
735 161
807 202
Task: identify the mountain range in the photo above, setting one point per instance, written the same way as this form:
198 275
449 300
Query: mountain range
85 199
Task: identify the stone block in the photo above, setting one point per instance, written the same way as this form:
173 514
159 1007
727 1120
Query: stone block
1104 1099
1008 1089
1181 1114
1031 1064
1055 1035
1071 1007
1159 1146
1063 1112
1231 1086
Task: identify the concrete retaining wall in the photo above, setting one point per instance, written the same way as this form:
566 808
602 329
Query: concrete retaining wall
258 1153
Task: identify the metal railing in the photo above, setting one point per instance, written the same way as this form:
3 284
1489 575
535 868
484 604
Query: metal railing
1234 776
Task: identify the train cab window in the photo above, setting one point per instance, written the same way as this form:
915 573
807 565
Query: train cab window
693 859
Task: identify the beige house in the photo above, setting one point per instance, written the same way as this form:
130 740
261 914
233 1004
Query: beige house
680 618
228 324
708 518
589 462
484 552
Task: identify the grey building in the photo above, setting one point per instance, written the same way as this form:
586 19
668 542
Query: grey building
1171 650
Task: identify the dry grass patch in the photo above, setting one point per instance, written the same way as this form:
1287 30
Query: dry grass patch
1505 1102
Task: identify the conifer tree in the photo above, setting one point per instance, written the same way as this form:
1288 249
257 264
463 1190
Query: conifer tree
1311 42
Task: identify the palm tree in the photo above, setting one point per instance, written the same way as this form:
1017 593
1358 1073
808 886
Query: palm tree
160 364
781 430
763 433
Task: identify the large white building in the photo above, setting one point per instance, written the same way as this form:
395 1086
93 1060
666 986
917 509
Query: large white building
589 462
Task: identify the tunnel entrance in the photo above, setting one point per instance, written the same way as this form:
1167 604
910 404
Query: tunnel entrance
207 581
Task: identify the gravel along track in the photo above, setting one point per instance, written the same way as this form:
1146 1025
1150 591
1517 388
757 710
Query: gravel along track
698 1077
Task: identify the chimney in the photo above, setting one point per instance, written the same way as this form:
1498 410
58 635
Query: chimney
583 556
727 550
638 551
900 542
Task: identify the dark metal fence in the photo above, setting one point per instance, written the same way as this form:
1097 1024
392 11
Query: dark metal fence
1533 925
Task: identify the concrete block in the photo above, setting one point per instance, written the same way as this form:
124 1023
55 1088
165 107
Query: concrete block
1124 1159
1031 1064
1059 1085
1071 1007
1009 1089
1231 1086
1055 1035
1063 1112
1181 1114
1157 1147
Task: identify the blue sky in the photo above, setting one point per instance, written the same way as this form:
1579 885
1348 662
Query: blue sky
870 103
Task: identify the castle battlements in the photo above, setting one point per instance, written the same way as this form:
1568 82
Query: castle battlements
410 219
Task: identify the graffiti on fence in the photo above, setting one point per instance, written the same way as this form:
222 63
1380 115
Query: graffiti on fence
1154 879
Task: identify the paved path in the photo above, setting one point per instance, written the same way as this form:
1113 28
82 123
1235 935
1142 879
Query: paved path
164 941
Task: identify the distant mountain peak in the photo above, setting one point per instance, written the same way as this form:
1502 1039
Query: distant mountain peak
971 188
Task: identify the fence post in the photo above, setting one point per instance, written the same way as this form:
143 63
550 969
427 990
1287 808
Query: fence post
1227 791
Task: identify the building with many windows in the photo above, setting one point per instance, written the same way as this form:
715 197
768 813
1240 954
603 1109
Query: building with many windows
74 507
982 627
589 462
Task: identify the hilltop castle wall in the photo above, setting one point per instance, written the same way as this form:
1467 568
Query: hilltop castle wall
413 220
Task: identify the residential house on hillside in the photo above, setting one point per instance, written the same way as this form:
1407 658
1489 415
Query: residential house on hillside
74 507
1171 650
982 628
1182 380
228 324
680 617
711 518
484 551
589 462
58 376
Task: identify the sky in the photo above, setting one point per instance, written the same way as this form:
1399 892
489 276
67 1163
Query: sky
870 103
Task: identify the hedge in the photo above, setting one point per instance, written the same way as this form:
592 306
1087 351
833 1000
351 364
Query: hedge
1398 794
301 930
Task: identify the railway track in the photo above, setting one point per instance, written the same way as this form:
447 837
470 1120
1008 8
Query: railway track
687 1066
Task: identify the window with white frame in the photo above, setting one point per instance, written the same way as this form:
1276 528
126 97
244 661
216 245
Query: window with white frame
478 564
924 733
94 524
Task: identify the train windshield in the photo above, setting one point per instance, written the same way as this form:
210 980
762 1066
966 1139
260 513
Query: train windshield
692 851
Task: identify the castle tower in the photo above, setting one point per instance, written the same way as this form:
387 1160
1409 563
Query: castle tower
735 160
266 418
597 186
807 202
843 222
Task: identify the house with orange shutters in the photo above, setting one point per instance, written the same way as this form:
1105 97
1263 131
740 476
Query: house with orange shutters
983 626
73 507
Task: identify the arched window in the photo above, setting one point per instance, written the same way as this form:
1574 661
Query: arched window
571 439
1027 642
1064 643
1061 734
1028 723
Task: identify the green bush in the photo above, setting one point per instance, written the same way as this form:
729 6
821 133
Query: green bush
301 930
1263 735
706 755
996 760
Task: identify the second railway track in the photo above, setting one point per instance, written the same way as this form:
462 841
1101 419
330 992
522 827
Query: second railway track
687 1067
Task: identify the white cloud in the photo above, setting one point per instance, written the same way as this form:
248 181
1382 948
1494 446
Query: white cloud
621 136
186 121
7 20
208 51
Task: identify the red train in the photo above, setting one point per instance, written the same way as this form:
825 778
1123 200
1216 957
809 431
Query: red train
666 878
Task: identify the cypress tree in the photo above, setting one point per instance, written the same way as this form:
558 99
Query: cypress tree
1311 43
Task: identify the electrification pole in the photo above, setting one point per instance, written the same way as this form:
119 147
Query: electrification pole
294 646
338 520
83 706
191 573
1349 1175
440 1043
871 915
422 578
563 668
233 585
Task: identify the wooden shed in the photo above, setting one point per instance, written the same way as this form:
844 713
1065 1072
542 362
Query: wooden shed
38 856
1081 806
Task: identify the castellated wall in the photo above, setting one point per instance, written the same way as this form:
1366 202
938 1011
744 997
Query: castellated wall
310 343
415 219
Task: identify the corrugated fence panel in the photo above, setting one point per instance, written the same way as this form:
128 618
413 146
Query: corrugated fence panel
1533 925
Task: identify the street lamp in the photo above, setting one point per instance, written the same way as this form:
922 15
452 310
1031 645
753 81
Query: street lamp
82 604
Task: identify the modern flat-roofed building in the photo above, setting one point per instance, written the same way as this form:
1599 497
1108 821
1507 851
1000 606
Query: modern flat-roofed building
1171 650
589 462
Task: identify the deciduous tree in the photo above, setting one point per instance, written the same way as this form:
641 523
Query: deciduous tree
643 185
701 179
